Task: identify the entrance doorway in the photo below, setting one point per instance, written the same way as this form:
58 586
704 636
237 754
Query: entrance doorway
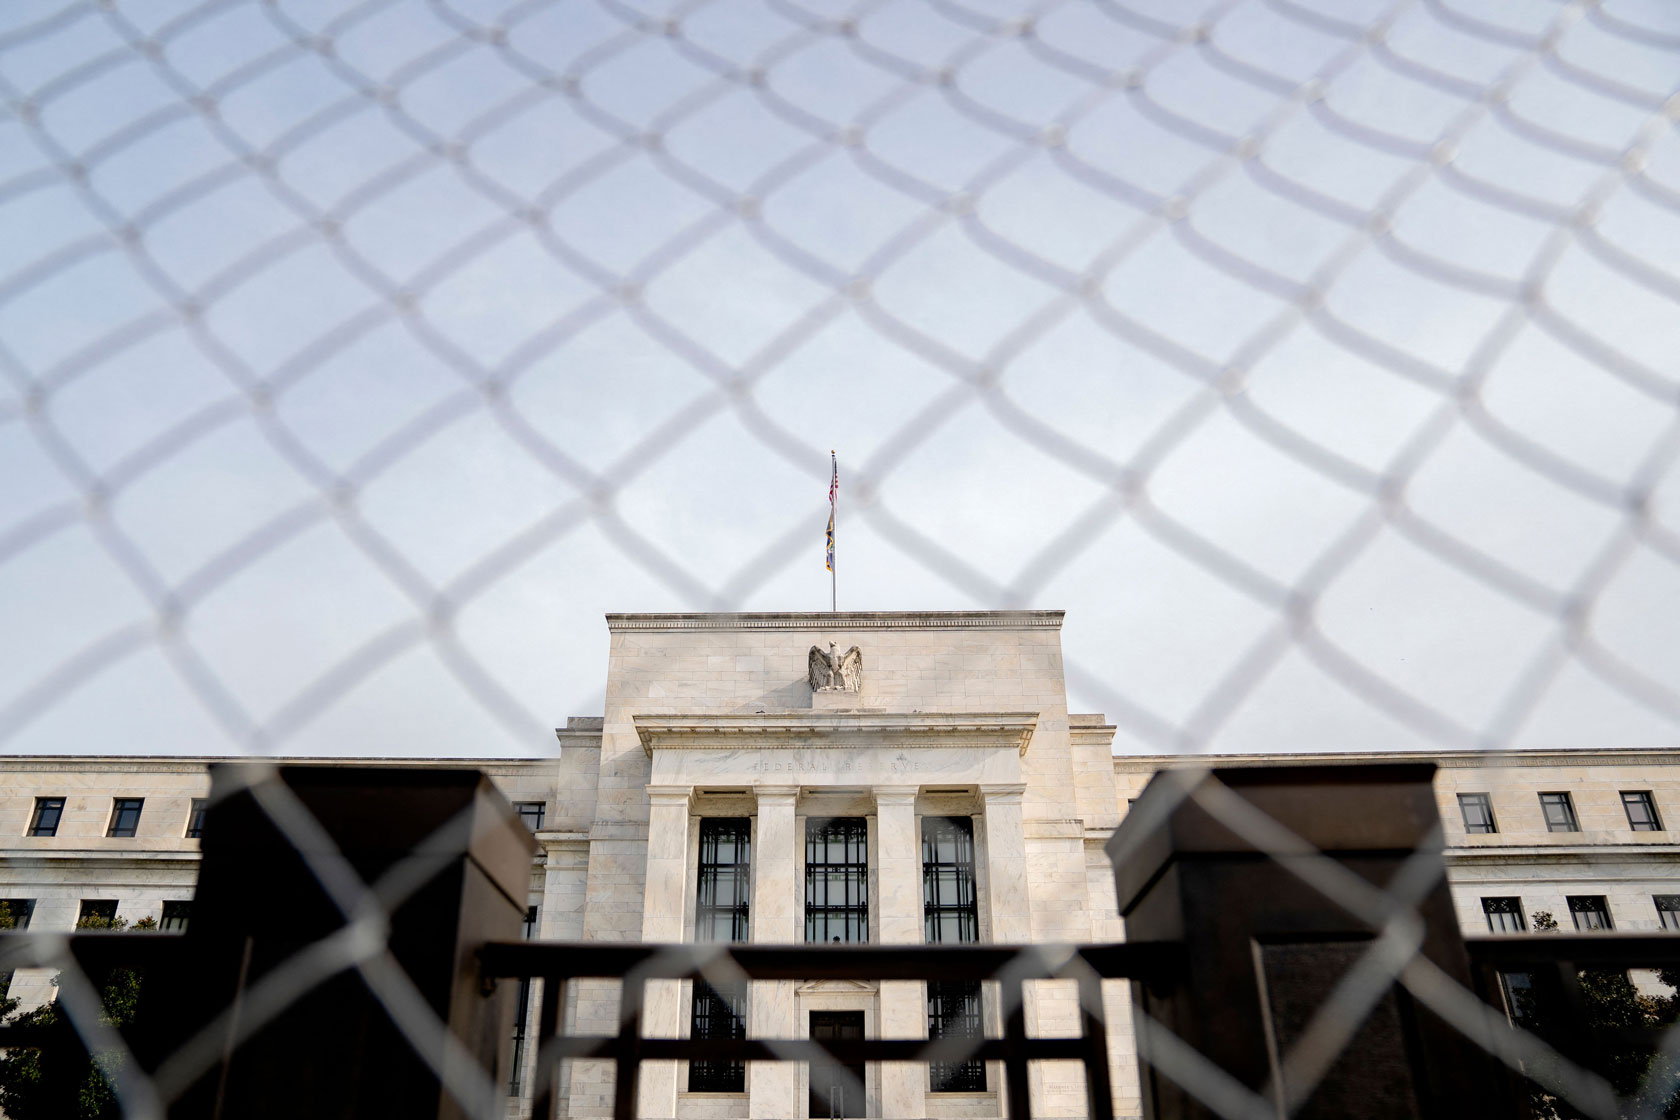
836 1088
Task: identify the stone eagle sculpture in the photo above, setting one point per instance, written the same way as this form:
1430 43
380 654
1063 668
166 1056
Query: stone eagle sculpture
832 671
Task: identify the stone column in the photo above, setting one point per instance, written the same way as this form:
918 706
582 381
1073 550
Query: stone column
1006 863
773 1087
1008 907
662 921
898 920
565 881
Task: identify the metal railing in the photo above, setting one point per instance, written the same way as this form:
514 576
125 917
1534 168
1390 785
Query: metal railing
1606 1001
1006 965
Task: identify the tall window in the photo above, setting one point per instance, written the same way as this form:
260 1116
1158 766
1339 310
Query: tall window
1589 911
1504 915
724 879
48 811
951 916
949 910
1478 812
1560 812
195 817
531 814
175 916
125 816
521 1014
1668 909
1641 810
836 880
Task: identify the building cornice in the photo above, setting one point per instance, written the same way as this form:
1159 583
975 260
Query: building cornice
833 621
1532 853
1445 760
86 857
832 730
195 764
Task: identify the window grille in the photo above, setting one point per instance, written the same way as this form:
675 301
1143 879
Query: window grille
1590 911
952 916
948 901
1668 910
836 880
719 1012
1477 809
175 916
1504 915
724 878
1559 809
954 1012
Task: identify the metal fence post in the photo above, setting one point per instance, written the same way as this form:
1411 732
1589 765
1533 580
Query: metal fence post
335 940
1270 936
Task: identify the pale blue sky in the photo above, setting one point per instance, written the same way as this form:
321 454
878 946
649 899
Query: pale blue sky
1321 361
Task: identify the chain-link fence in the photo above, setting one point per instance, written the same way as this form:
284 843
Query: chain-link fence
1321 360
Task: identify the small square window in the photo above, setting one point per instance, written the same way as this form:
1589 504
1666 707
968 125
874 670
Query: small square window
1559 809
195 818
125 816
175 915
96 913
1641 810
531 814
48 812
1504 915
1668 910
1478 812
1590 911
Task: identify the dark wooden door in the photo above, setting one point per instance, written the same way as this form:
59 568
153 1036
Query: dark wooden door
836 1089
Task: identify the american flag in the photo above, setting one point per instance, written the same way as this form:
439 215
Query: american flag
833 489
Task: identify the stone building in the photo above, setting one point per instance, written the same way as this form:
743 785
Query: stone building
754 777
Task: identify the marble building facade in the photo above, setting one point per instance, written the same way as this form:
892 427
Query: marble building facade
742 782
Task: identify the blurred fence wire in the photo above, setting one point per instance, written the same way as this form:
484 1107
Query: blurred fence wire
1479 205
1468 213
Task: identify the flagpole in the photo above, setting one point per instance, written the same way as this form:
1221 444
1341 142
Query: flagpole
833 509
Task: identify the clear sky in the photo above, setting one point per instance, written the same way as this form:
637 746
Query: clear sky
1320 360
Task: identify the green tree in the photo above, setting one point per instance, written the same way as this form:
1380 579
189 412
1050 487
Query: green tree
8 1003
22 1077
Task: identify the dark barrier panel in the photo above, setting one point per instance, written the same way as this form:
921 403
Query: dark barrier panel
454 867
1265 949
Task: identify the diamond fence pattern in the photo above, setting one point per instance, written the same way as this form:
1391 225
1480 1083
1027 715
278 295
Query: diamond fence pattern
221 217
